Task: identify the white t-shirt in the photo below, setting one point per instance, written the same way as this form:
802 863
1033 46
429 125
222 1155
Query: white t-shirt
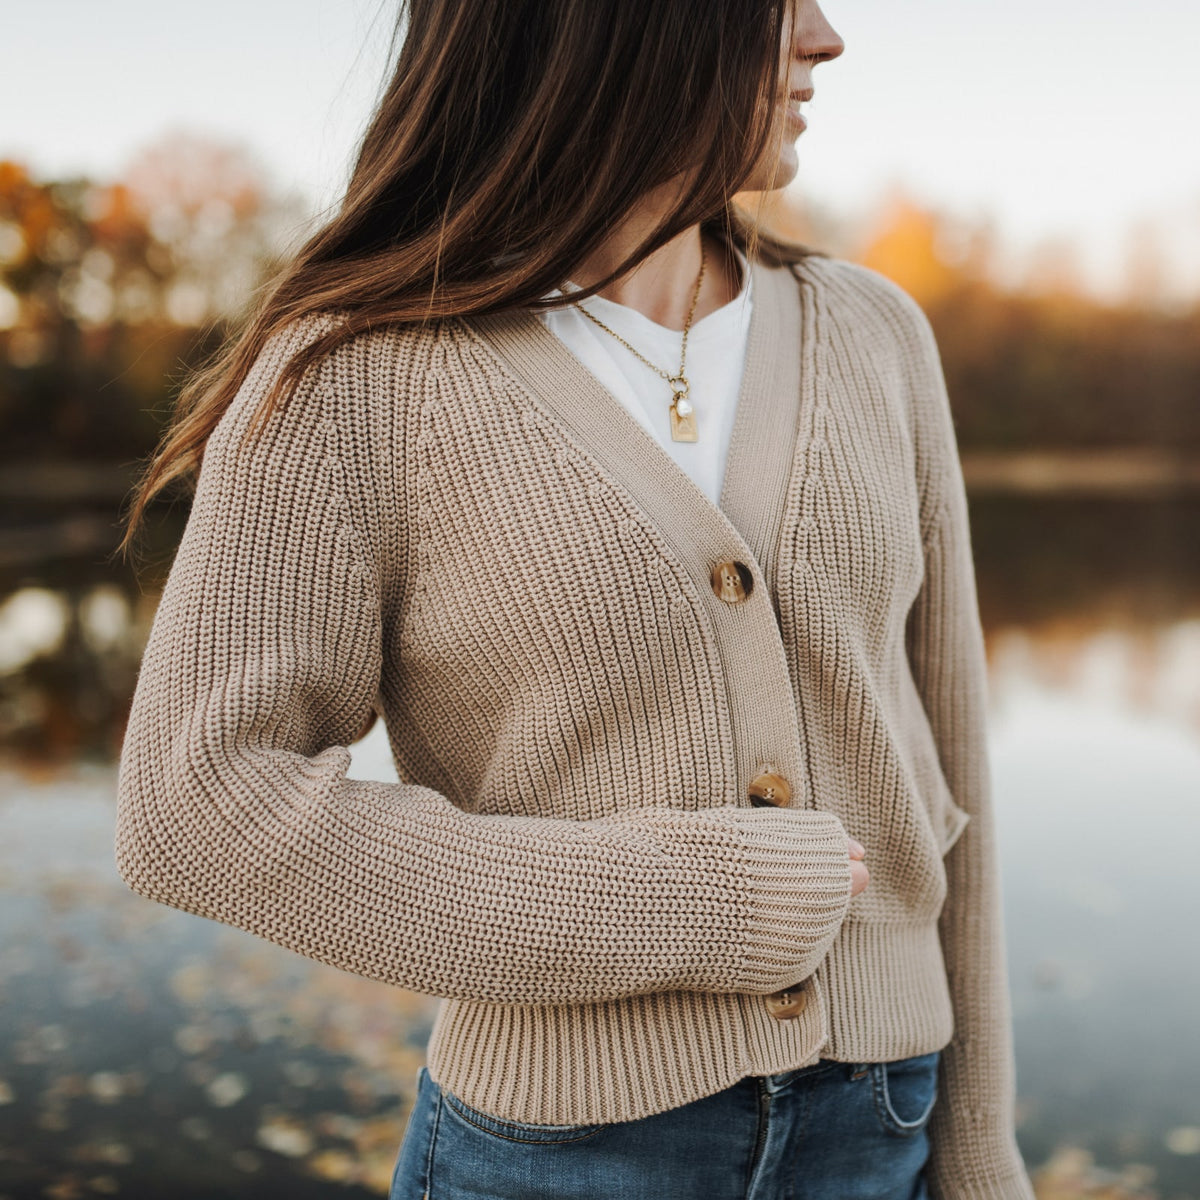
716 357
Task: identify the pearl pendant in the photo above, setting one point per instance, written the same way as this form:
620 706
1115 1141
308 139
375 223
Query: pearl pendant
683 421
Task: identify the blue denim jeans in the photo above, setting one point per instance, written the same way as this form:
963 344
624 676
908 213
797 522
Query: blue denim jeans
830 1131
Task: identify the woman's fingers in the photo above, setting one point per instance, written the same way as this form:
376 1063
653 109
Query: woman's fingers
859 877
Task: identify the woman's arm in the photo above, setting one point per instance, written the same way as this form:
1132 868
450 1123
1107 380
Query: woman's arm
263 662
974 1152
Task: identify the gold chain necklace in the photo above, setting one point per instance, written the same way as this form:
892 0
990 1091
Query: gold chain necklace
683 414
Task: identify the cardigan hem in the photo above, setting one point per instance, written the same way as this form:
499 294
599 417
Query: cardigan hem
599 1063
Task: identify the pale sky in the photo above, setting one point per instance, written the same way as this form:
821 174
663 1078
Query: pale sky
1056 118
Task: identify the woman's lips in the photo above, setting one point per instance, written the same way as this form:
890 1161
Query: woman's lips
791 105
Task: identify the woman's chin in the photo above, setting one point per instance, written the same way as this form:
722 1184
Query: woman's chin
783 171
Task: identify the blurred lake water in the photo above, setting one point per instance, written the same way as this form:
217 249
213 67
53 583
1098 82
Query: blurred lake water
146 1052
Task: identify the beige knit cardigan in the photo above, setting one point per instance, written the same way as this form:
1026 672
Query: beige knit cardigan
460 528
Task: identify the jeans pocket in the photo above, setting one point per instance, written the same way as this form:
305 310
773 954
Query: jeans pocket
905 1092
516 1131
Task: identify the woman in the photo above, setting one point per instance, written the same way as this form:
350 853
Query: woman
661 581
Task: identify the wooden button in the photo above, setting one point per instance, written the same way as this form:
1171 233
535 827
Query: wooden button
769 788
732 581
789 1003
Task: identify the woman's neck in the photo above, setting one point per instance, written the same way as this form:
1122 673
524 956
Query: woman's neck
661 286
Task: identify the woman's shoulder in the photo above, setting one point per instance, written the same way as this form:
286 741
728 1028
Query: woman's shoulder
313 378
351 343
862 297
356 368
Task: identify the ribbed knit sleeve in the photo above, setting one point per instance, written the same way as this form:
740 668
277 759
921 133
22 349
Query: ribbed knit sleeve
264 658
974 1153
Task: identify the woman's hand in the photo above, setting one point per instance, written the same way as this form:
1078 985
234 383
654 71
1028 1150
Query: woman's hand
859 875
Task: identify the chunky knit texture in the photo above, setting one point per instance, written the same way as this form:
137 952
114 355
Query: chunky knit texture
459 527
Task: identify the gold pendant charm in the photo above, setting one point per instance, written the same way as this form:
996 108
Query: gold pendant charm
683 428
683 415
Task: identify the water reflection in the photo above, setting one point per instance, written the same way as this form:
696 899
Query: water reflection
146 1050
1097 770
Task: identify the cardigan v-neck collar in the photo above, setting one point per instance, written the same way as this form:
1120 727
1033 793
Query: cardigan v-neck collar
765 428
745 527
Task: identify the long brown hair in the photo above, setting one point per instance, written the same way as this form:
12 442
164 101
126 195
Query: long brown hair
512 136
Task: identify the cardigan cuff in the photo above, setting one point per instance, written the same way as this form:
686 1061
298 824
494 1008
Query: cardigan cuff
795 868
990 1168
1014 1186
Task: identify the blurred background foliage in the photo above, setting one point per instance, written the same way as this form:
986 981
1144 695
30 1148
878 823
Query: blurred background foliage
109 291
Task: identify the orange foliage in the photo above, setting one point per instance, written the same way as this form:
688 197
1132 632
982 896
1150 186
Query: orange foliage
114 214
27 203
12 176
905 246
